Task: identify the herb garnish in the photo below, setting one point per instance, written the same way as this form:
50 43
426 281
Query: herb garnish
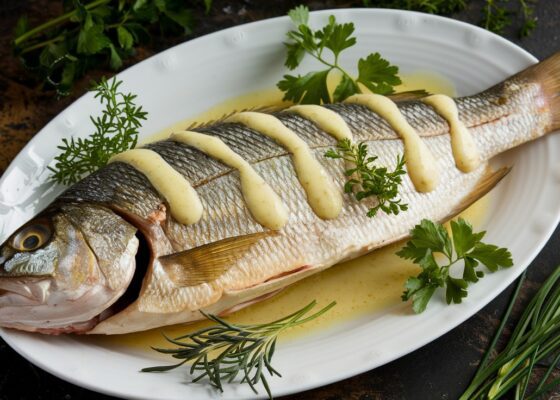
375 73
430 238
368 179
116 130
534 343
100 32
222 352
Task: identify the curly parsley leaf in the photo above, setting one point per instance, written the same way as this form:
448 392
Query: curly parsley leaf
366 180
375 73
116 130
429 238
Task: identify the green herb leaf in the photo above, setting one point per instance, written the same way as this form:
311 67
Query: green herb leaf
419 292
116 130
455 290
92 40
22 26
346 88
429 238
299 15
463 237
115 60
307 89
336 37
125 38
367 180
294 55
492 257
375 73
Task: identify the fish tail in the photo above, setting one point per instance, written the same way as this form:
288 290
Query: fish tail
547 74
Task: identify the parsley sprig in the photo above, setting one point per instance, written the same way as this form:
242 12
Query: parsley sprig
222 352
374 72
116 130
365 179
429 239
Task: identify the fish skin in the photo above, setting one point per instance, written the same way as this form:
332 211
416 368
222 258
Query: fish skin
500 118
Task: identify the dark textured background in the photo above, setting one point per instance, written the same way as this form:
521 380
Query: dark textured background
440 370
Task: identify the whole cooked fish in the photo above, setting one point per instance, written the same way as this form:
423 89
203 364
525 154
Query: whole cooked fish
108 257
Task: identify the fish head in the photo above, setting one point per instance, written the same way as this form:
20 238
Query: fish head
62 270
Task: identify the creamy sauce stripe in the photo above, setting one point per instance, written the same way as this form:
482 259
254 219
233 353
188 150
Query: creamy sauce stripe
322 194
327 120
180 195
465 152
263 203
420 163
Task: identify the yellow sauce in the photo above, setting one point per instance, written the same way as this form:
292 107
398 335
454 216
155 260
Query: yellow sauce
421 165
325 119
263 203
322 194
465 152
180 195
362 287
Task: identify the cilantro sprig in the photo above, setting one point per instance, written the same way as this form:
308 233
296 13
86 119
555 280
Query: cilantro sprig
116 130
429 239
374 72
365 179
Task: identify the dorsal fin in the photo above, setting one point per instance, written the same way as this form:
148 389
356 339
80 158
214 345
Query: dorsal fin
264 109
206 263
484 185
409 95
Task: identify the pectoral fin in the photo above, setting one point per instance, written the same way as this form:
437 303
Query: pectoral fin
208 262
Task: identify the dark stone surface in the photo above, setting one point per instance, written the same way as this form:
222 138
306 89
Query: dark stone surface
440 370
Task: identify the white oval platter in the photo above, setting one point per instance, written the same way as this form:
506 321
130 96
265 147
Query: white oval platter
192 77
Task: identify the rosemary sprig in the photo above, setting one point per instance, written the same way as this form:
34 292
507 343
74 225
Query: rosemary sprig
365 179
116 130
222 352
535 340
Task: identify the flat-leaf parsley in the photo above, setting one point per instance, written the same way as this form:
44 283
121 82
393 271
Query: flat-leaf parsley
374 72
430 238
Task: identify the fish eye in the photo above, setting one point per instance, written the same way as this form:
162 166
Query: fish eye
32 236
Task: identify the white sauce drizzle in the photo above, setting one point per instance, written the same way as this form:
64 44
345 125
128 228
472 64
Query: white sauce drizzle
263 203
322 194
182 198
421 165
325 119
465 152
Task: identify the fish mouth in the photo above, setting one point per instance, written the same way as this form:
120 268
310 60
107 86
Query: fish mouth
33 293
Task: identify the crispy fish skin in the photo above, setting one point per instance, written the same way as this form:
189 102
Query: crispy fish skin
227 260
